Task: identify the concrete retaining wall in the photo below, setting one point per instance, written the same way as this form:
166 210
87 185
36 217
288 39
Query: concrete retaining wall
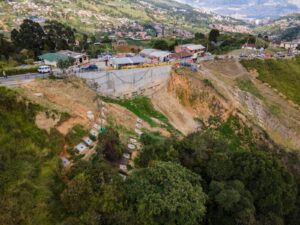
127 83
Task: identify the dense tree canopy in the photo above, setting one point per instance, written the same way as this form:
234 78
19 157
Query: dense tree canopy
30 36
166 193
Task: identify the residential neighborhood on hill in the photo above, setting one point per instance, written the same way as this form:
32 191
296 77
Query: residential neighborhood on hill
151 112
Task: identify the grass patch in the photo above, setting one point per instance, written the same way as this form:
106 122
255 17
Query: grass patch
248 86
76 134
282 74
144 109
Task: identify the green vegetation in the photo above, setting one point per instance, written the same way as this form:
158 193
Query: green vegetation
222 175
143 108
18 70
28 156
283 75
248 86
75 135
166 193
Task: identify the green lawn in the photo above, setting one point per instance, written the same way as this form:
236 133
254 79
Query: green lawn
282 74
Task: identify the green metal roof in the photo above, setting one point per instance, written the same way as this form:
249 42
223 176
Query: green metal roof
53 57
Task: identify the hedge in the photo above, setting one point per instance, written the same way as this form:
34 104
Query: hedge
16 71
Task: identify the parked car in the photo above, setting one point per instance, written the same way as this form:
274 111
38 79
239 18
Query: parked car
92 67
44 69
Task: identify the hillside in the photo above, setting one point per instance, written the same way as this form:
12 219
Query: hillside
287 27
247 9
209 133
103 15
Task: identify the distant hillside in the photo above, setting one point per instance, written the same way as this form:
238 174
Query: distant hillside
248 9
287 27
104 15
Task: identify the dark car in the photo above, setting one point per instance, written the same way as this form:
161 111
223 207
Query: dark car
92 67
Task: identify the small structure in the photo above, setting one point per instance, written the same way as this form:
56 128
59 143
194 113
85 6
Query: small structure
122 43
94 133
81 148
123 168
156 55
97 126
190 48
65 161
249 46
126 156
117 63
289 45
180 55
131 147
133 141
52 59
90 115
88 141
80 58
138 131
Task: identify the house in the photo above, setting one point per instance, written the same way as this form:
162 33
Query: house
275 44
289 45
190 48
117 63
51 59
81 148
156 55
180 55
80 58
160 56
249 46
122 43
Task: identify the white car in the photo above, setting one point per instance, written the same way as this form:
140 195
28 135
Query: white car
44 69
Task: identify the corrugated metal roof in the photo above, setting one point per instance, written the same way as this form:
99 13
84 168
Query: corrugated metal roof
53 57
148 51
128 60
160 54
193 46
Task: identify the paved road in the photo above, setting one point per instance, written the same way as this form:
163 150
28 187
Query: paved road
14 81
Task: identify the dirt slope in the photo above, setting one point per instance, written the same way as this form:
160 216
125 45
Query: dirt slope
71 96
272 112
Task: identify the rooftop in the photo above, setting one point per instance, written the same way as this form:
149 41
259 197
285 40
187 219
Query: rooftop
53 57
193 46
128 60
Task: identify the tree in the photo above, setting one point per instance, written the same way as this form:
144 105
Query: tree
59 36
110 145
76 197
30 36
220 167
5 47
65 64
165 193
272 186
213 35
199 36
160 44
230 203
